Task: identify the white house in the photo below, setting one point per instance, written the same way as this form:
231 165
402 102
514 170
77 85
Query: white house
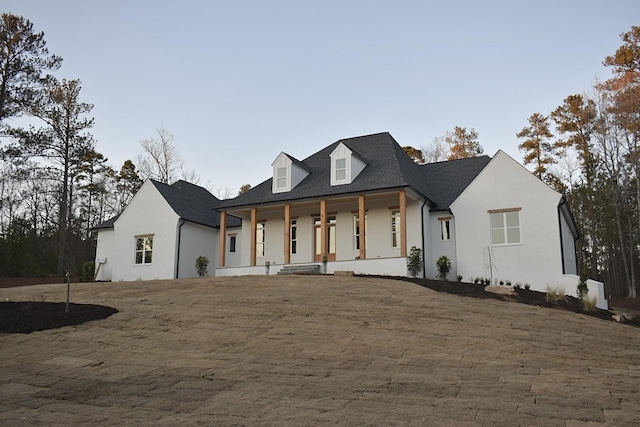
470 210
161 232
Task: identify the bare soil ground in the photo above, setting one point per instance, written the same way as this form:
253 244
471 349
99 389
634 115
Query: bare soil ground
306 350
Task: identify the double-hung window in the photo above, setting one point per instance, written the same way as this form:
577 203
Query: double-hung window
445 229
281 178
505 226
294 236
341 169
357 231
260 234
144 249
395 228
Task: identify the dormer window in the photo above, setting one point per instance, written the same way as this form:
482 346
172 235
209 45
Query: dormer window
341 169
346 165
281 178
287 173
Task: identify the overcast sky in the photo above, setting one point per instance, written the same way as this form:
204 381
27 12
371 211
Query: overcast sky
237 82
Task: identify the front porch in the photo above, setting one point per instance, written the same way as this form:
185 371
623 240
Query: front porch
311 231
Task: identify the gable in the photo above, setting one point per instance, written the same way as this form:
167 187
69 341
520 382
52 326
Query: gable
346 165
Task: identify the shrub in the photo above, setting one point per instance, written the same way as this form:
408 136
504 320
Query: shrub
444 267
459 277
517 286
583 289
555 294
501 282
415 264
88 270
476 280
527 286
507 282
202 262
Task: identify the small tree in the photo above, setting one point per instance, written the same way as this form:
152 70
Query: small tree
414 261
444 267
202 262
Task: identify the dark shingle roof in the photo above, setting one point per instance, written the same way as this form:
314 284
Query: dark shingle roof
388 166
445 181
191 202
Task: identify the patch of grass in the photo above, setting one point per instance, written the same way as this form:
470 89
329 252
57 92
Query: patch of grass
589 304
555 294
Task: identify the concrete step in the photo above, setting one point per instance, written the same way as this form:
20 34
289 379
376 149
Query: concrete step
300 269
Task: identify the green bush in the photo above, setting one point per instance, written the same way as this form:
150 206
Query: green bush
88 270
202 262
414 261
583 289
444 267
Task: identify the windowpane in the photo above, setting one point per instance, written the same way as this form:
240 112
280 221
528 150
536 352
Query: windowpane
232 243
513 235
147 257
138 257
341 163
260 239
281 177
143 251
294 236
395 229
497 220
444 229
497 236
139 244
512 219
341 169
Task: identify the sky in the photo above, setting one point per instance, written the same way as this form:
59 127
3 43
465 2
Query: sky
238 82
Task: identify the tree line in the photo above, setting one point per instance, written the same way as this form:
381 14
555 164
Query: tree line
55 186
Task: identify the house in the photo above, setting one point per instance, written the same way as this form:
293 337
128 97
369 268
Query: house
361 203
161 232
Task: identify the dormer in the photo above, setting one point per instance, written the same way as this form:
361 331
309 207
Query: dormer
287 173
346 165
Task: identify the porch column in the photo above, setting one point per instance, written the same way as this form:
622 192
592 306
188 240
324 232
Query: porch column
403 223
287 233
363 227
223 238
254 214
323 229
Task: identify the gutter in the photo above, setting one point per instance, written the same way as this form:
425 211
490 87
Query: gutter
177 274
424 264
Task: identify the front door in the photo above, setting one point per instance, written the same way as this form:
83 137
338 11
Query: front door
331 239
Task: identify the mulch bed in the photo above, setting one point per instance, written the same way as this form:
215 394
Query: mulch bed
523 296
31 316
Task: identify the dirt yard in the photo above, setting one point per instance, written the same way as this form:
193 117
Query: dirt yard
302 350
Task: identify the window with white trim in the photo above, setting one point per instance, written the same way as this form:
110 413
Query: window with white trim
505 227
395 228
260 235
232 243
144 249
445 230
356 231
341 169
294 236
281 178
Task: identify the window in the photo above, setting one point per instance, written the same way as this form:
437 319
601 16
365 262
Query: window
294 236
232 243
395 228
356 231
281 178
505 227
260 229
341 169
445 230
144 249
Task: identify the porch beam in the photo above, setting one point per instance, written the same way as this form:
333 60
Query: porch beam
403 223
223 238
254 215
363 227
287 233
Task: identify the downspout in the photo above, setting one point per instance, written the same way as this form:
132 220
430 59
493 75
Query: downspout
177 275
424 264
